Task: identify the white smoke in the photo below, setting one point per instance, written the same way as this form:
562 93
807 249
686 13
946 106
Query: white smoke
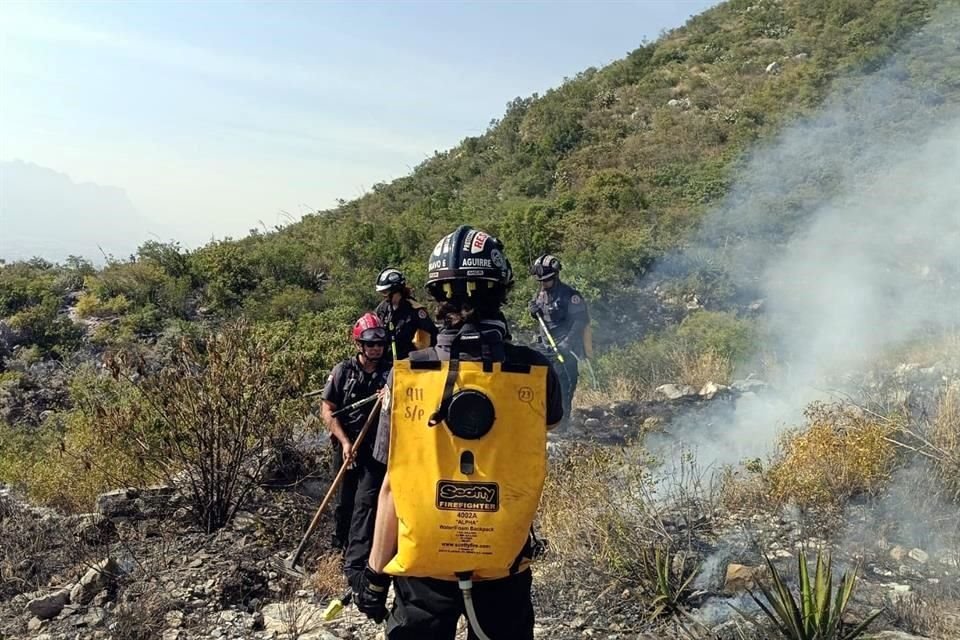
872 265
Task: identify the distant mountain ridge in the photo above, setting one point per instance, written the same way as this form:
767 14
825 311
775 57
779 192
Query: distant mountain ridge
45 213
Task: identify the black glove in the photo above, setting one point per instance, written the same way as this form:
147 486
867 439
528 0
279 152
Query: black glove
371 599
534 308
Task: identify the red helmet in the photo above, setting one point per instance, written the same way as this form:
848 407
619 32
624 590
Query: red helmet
369 329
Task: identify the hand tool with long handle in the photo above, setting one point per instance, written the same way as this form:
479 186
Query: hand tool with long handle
290 564
549 336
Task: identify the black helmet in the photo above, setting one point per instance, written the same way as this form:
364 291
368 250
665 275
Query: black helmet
390 279
468 263
545 267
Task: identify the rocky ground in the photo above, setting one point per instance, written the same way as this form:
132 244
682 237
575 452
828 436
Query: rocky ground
138 568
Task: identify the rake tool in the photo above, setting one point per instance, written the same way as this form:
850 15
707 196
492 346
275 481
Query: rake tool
291 565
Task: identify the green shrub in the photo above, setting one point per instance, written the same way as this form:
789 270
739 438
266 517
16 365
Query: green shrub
705 347
210 416
51 331
90 306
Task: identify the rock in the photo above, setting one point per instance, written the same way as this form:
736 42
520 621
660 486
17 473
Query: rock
898 553
800 57
67 611
711 390
277 618
94 529
652 424
906 367
136 503
773 68
919 555
750 384
591 423
898 592
171 634
101 599
741 577
895 635
96 579
676 392
174 619
118 503
94 617
48 606
256 621
681 103
35 624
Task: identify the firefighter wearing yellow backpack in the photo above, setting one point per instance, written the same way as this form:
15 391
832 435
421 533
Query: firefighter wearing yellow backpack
464 439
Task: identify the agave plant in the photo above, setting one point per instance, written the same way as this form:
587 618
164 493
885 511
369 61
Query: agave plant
668 579
817 614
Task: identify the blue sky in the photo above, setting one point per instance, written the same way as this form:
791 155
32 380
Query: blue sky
213 116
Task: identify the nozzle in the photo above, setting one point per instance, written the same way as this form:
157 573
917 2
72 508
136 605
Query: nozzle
335 608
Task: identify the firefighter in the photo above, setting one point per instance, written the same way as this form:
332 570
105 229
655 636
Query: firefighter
407 321
463 434
565 323
354 379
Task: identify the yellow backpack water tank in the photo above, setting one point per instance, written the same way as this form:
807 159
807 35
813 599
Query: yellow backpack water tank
465 505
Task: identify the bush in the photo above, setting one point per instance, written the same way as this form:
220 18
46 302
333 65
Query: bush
43 325
228 272
319 339
91 306
289 303
705 347
844 452
64 464
605 521
208 419
719 332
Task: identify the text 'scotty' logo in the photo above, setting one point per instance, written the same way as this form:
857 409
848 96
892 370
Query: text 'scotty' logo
468 496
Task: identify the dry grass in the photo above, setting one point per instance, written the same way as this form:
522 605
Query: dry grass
744 490
929 612
618 390
35 549
611 526
299 618
925 352
945 439
844 452
140 614
697 369
327 579
681 366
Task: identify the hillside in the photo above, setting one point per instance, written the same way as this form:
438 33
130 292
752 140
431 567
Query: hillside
760 208
615 170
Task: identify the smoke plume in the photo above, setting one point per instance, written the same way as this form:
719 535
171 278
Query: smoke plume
849 224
